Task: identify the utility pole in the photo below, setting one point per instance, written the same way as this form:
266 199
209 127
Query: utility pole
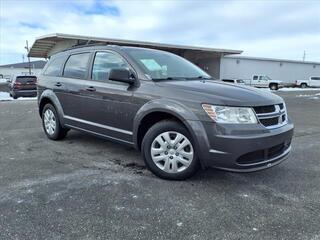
23 58
304 55
27 48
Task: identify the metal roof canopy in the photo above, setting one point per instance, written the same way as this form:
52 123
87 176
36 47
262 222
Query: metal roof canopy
47 45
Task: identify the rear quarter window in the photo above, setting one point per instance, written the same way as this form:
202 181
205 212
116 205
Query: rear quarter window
55 66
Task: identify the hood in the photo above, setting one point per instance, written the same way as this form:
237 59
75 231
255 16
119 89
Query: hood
220 93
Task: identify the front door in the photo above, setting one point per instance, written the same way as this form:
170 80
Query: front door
108 106
315 81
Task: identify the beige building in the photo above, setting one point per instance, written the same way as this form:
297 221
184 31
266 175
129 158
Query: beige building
10 70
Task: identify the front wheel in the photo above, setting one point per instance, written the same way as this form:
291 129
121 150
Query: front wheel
169 152
51 123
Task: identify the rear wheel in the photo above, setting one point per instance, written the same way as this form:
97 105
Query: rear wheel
169 152
303 85
51 123
273 86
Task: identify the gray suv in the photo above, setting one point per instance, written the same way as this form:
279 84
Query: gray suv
164 106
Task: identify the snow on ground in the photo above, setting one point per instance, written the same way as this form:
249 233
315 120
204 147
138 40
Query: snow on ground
4 96
298 89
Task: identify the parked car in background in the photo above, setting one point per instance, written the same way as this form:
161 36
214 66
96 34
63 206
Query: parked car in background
264 81
23 86
164 106
311 82
234 81
3 80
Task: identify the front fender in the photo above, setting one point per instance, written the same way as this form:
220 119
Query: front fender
180 111
50 95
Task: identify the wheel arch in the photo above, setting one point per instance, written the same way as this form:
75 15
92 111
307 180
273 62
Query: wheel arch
48 96
153 112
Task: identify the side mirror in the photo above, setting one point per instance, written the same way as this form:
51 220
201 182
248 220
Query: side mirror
121 75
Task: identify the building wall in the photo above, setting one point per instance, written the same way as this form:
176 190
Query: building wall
209 62
288 72
9 72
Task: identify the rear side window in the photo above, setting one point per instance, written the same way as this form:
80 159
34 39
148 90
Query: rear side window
77 66
26 79
315 78
255 77
240 81
54 67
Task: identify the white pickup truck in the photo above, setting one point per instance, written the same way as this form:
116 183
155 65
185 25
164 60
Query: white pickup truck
311 82
264 81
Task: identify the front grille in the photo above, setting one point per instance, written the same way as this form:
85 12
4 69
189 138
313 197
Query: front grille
264 109
271 116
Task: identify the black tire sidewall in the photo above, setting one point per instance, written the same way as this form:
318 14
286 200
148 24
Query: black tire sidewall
152 133
58 129
274 87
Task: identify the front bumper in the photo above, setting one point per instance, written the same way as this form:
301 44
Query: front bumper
250 148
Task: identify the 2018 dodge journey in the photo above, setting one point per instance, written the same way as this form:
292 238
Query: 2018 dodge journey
164 106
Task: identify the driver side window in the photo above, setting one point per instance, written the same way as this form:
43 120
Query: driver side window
103 63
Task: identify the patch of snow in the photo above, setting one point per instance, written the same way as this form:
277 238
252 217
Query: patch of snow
179 224
254 229
298 89
5 96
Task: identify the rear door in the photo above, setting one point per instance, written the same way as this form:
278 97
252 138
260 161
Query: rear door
73 84
255 80
263 81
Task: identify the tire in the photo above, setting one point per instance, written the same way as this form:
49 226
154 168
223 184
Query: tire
274 86
303 85
51 123
176 164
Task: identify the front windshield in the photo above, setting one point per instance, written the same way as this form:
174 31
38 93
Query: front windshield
160 65
267 78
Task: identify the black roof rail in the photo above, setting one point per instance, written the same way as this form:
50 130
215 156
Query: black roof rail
88 43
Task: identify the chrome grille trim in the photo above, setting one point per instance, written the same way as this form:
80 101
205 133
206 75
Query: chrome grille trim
278 113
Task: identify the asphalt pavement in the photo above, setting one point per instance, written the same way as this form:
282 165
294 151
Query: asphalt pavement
88 188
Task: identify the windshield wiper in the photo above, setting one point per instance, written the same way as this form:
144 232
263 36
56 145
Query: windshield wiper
200 77
168 78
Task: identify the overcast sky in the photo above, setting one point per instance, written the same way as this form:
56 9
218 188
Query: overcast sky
277 29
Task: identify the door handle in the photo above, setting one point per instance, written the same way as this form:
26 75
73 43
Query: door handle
58 84
91 89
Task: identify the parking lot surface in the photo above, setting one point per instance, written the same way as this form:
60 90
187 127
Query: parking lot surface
87 188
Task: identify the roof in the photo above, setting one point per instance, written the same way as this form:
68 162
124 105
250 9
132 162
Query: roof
34 64
47 45
272 59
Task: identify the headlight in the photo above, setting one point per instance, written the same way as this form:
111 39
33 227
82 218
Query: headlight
223 114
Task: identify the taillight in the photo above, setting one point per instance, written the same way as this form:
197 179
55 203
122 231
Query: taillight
17 84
